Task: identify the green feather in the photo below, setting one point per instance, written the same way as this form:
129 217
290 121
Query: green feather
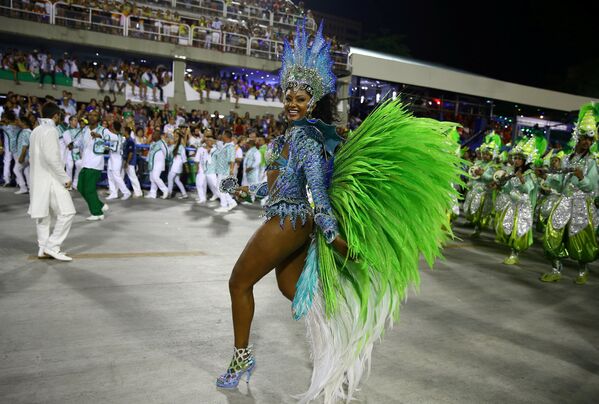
391 189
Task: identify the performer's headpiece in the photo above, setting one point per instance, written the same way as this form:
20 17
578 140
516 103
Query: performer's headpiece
526 149
587 122
308 68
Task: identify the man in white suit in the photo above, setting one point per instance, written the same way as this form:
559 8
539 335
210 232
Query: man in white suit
49 195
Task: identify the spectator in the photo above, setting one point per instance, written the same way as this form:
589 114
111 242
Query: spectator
48 66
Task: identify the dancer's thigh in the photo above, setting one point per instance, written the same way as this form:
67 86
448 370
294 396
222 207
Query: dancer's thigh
267 248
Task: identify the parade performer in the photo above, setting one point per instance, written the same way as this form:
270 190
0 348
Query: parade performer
8 124
157 157
386 190
70 137
479 202
21 157
177 151
549 187
92 145
570 229
514 224
201 160
116 181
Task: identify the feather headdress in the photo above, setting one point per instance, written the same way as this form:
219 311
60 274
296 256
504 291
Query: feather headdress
308 68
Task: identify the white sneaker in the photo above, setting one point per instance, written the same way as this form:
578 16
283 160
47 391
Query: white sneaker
125 197
200 202
57 255
183 196
232 206
41 253
150 196
165 196
111 197
21 192
221 210
105 208
214 198
93 218
138 196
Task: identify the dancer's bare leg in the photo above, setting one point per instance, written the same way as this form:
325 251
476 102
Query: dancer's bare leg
268 248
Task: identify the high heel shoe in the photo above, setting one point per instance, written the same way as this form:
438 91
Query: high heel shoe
243 362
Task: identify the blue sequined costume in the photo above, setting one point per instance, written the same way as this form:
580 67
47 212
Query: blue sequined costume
311 145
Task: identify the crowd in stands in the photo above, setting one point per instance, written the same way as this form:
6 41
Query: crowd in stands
110 77
159 21
234 87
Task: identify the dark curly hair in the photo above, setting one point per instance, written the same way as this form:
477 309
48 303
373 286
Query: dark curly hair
326 109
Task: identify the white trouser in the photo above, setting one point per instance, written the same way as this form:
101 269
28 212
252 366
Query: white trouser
201 185
78 166
173 178
22 173
115 179
61 228
226 199
212 183
7 161
130 171
157 182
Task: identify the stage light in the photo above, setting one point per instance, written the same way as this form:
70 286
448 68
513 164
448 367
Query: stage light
378 97
362 100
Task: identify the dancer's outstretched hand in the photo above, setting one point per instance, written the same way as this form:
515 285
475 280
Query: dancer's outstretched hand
242 191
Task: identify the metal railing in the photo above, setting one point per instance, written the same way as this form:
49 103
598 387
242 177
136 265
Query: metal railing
105 21
158 30
242 12
27 10
265 48
94 19
289 21
203 37
209 8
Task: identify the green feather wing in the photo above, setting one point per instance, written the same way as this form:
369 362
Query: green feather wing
391 190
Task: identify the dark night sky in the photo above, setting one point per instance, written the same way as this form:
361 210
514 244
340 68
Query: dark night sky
526 42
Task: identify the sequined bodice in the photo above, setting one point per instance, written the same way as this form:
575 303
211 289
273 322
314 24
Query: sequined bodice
306 167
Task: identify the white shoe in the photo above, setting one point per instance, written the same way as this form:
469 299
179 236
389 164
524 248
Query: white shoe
93 218
214 198
138 196
246 203
125 197
41 253
201 202
150 197
232 206
111 197
105 208
57 255
165 196
221 210
21 192
183 196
